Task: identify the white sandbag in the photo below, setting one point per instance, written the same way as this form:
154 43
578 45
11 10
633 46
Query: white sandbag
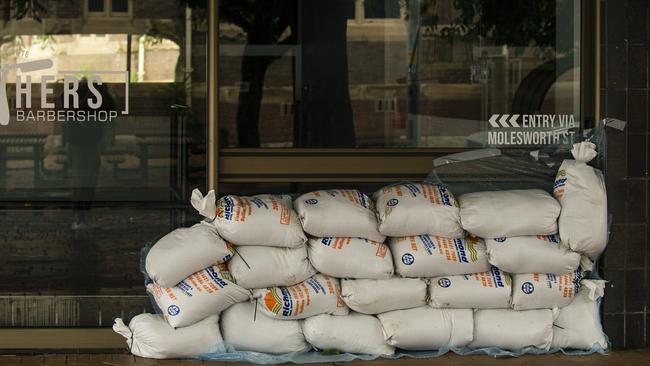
379 296
338 213
513 330
577 325
353 333
432 256
264 219
425 328
319 294
544 290
496 214
582 194
149 335
204 293
417 209
245 331
533 253
485 290
185 251
257 266
350 257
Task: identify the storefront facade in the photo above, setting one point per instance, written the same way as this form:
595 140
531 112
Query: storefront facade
275 97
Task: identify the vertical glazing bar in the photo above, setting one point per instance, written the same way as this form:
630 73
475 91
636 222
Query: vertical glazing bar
597 64
213 95
588 63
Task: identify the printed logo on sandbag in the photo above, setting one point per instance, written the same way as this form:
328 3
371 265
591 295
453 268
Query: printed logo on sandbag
462 248
259 203
527 288
408 259
392 202
560 182
279 302
497 277
225 208
311 201
553 238
531 129
444 282
173 310
499 240
446 197
577 276
215 277
413 189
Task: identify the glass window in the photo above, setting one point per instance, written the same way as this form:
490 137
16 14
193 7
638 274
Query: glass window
96 6
431 76
102 133
120 6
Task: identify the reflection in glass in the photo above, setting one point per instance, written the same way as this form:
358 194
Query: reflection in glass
389 73
81 198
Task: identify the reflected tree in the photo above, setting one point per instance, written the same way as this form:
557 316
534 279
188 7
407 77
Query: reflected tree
265 22
323 113
547 24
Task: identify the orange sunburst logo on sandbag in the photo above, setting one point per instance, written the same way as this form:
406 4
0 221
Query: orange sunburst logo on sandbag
273 301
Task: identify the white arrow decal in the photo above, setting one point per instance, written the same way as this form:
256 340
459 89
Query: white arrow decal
504 120
493 120
513 120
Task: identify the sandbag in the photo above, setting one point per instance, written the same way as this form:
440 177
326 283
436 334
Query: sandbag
417 209
580 189
353 333
245 331
484 290
350 257
319 294
432 256
258 266
204 293
425 328
544 290
185 251
149 335
264 219
529 254
338 213
379 296
577 325
513 330
496 214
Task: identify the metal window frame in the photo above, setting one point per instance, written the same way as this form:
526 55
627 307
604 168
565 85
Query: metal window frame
304 165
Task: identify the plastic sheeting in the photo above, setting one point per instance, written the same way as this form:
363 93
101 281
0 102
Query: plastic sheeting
478 170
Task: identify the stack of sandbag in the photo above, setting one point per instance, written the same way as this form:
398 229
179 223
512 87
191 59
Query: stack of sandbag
422 222
267 237
535 272
426 238
489 271
190 285
344 241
